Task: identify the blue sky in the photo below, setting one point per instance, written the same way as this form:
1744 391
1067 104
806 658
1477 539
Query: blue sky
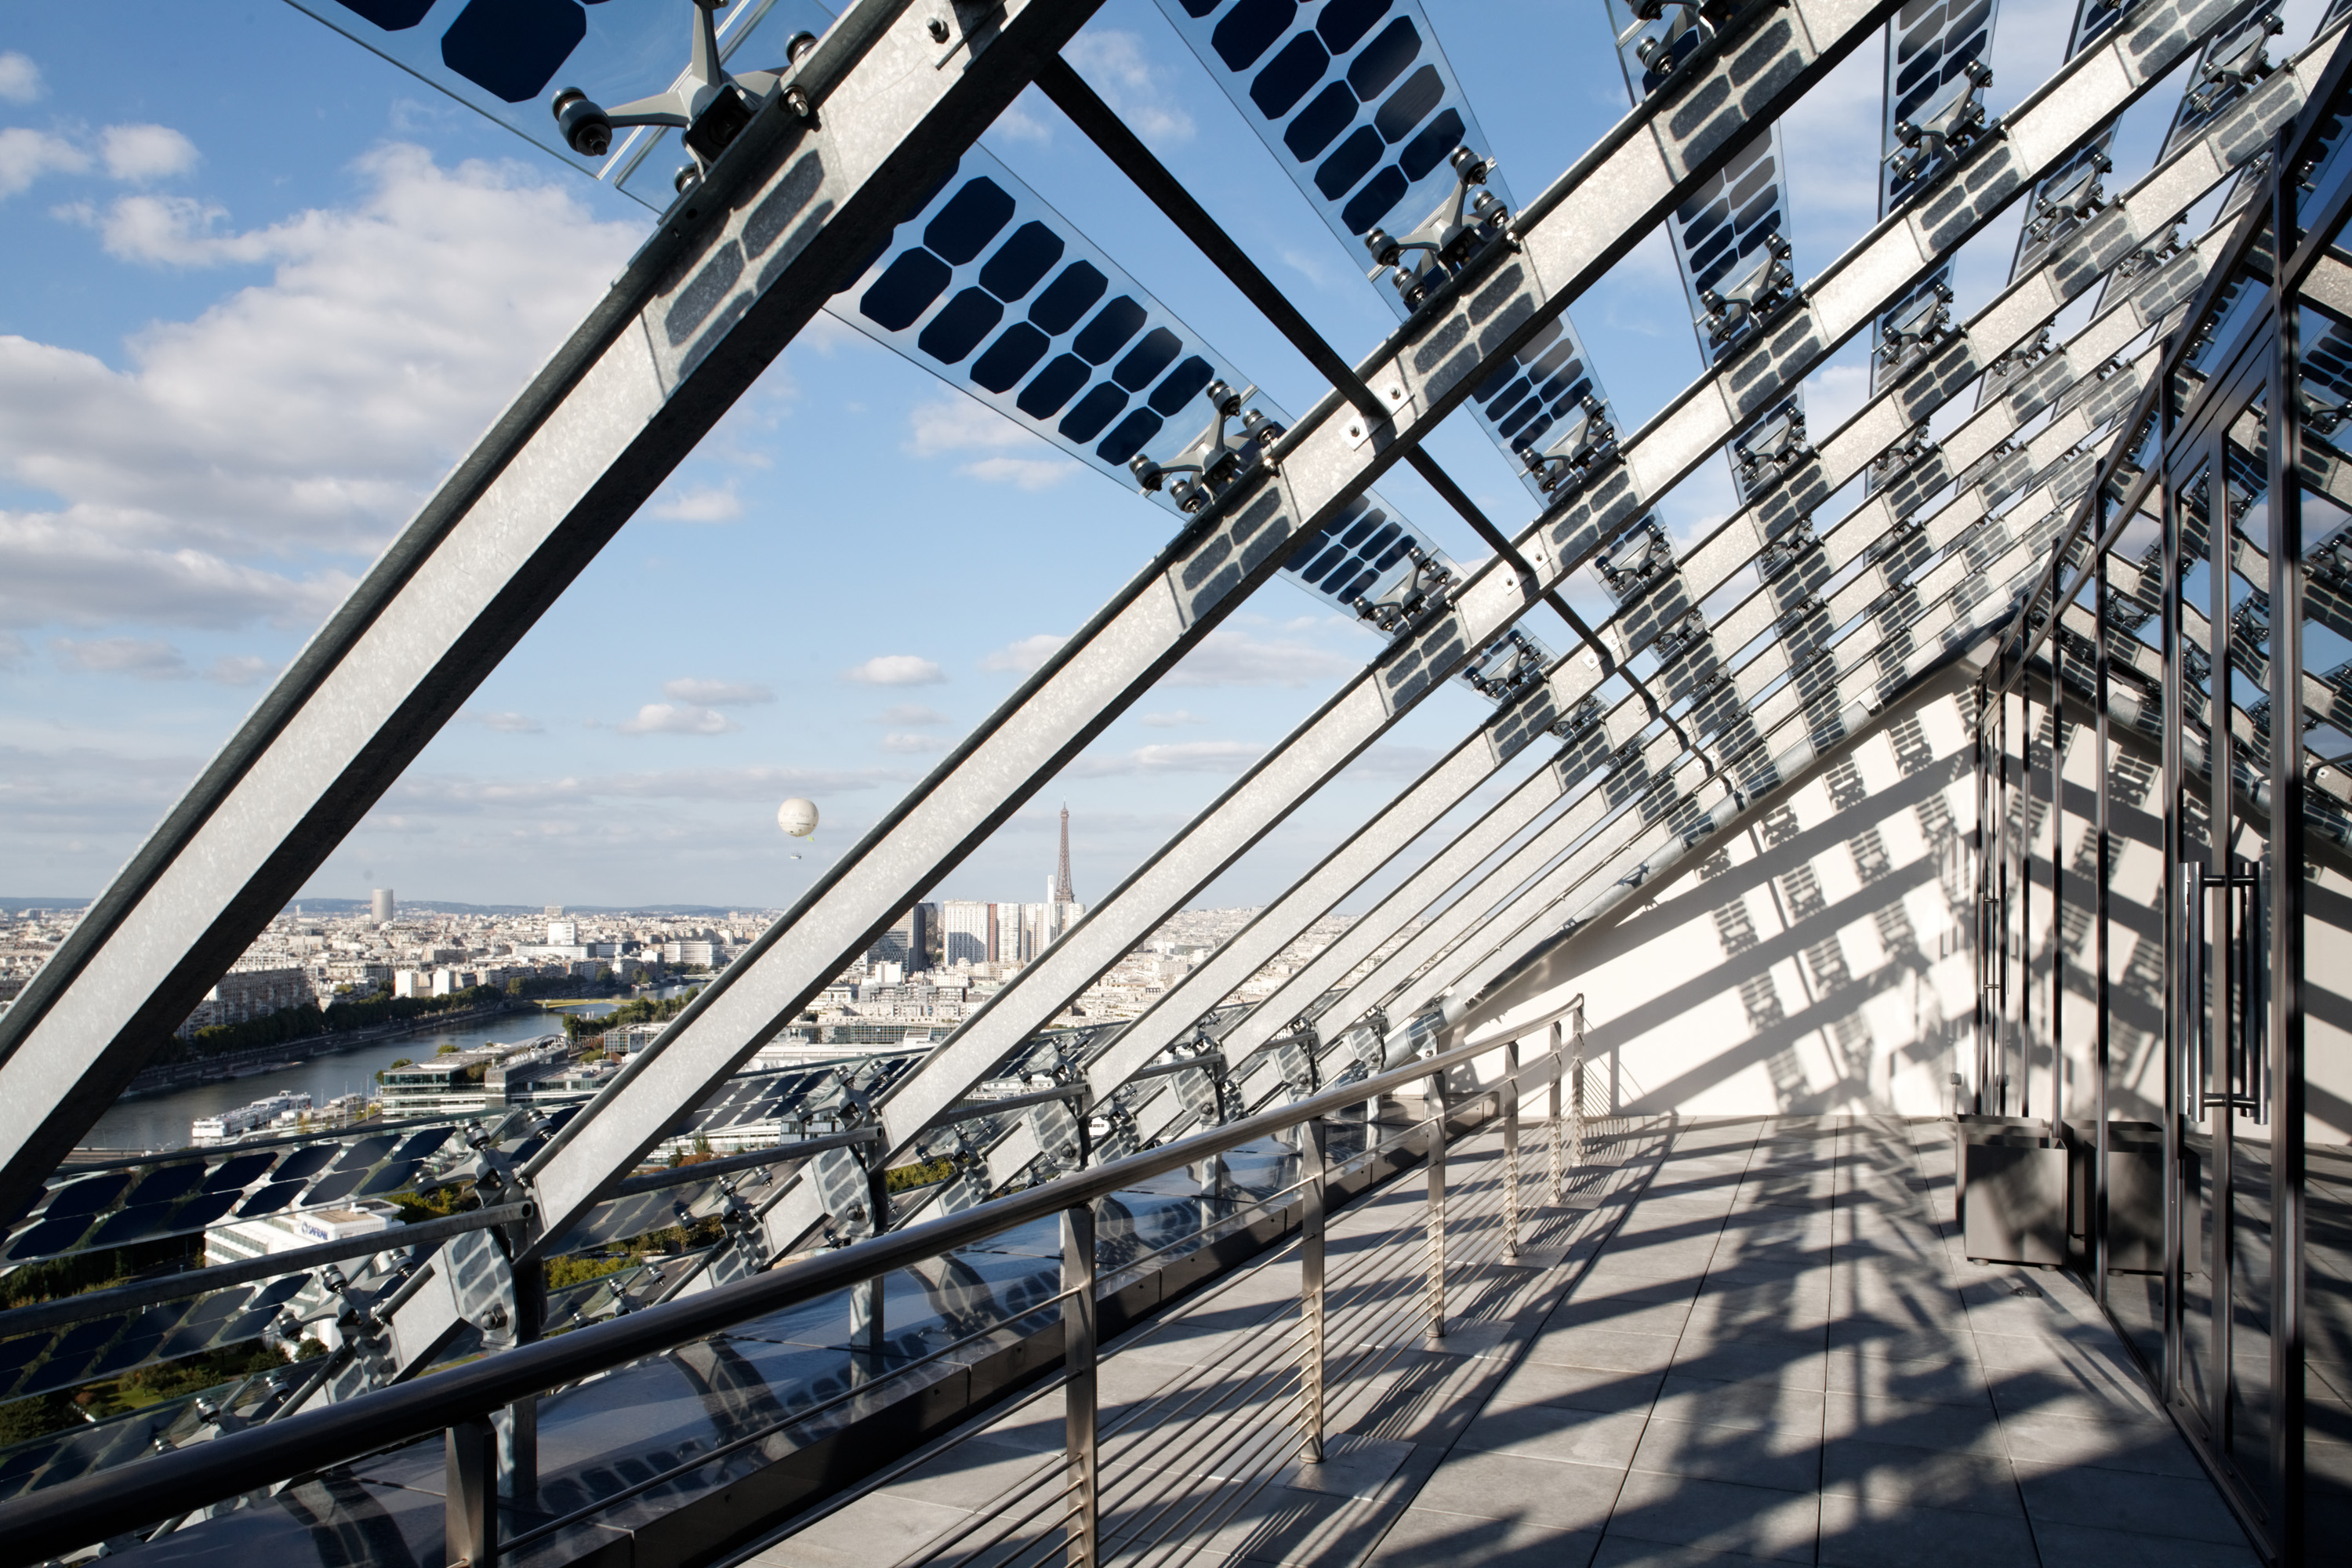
262 287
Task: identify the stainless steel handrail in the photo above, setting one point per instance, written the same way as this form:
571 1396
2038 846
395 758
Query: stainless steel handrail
59 1518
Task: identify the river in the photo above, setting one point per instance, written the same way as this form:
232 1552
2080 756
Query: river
161 1120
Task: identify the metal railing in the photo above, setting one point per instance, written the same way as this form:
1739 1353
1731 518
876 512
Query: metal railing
461 1401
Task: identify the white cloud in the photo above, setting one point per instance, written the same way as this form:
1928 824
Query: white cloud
912 745
1189 757
15 651
1027 120
1228 656
308 413
149 659
20 78
506 724
26 156
64 567
1174 720
1026 657
964 425
960 425
702 503
677 719
716 693
912 713
1029 474
141 152
170 231
1118 65
896 669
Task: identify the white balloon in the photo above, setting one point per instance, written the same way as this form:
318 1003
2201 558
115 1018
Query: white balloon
797 817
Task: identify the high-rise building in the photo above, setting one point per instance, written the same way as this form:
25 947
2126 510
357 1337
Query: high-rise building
379 906
564 933
910 940
967 931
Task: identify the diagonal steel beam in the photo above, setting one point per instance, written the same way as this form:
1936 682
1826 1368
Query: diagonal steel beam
1840 303
1592 215
1176 1013
738 267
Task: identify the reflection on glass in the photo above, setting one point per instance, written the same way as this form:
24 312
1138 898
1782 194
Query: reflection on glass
2241 1067
2191 694
2322 399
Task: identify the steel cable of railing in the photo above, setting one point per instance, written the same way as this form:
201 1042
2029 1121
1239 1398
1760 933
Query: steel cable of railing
174 1484
1386 1304
1170 1467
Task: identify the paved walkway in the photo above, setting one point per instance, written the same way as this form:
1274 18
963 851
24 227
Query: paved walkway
1753 1340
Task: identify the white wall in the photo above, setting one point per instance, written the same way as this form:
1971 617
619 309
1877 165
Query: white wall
1814 961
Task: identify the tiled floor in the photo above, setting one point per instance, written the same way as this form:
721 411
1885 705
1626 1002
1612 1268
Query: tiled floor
1759 1343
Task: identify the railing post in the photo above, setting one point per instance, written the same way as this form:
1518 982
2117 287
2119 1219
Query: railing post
1081 1525
1315 1163
869 1325
1511 1151
1559 1072
469 1516
1576 1099
1436 1108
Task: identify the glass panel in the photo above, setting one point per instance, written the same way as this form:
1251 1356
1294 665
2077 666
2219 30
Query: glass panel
2190 609
2137 1008
2241 986
2322 396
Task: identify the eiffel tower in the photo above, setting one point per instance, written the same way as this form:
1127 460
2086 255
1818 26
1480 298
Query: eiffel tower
1062 892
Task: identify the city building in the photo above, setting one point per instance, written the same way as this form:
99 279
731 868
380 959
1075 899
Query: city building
967 931
910 941
246 994
379 906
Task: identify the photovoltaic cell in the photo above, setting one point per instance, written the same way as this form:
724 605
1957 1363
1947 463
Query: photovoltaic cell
1095 363
178 1196
505 58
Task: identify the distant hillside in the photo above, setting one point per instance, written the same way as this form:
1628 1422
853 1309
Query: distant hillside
14 905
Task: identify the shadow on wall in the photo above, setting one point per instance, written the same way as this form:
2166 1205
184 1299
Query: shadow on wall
1816 961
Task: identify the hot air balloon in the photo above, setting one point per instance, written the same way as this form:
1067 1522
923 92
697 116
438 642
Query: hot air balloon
797 817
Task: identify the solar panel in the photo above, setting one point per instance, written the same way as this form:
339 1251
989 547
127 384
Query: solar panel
1358 103
505 59
111 1346
180 1196
1930 49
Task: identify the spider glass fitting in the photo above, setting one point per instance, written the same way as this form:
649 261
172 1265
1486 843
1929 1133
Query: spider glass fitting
1640 557
1441 244
709 107
1918 326
1778 444
2071 200
1929 149
2236 65
1582 450
1510 664
1420 590
1744 306
1685 26
1215 459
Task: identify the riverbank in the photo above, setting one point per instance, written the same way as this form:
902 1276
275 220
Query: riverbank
268 1059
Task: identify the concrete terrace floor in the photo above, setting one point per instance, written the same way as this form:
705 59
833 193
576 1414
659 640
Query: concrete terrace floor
1740 1339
